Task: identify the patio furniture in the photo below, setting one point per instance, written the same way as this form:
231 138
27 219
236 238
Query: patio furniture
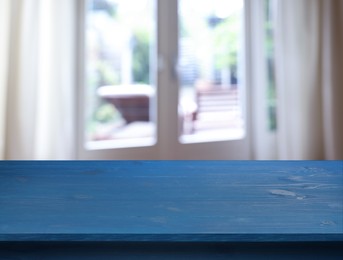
217 99
132 101
215 106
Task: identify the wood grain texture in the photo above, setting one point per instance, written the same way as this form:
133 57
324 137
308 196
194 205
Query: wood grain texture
171 201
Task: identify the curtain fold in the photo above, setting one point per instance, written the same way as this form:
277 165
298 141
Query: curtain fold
37 108
333 78
4 48
308 80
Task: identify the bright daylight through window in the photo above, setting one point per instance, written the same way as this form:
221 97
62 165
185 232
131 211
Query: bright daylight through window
120 91
211 55
121 105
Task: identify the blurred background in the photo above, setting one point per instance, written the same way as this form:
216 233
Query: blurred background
173 80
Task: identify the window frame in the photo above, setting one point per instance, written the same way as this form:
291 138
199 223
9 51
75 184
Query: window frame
261 142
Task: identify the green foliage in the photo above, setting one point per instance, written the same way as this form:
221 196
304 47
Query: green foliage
106 6
106 113
183 30
106 74
112 11
227 35
269 40
270 56
141 56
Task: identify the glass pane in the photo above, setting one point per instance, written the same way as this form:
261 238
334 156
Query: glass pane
120 92
211 37
270 57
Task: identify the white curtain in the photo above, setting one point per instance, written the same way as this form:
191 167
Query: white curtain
309 62
37 79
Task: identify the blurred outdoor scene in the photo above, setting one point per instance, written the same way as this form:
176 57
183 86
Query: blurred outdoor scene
118 56
211 60
121 57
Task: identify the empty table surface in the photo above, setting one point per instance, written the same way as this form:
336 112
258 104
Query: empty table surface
197 201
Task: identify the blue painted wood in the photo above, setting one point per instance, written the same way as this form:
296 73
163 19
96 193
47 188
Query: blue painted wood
180 201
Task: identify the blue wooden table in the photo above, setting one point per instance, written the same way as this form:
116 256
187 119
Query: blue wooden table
184 202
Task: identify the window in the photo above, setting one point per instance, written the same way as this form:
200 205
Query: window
210 66
120 90
166 79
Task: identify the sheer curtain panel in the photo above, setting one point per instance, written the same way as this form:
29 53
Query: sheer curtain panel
309 79
37 79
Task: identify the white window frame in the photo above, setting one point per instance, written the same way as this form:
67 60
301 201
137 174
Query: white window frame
167 146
